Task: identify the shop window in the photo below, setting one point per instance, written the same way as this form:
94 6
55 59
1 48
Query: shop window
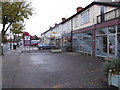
112 45
118 28
87 42
75 44
102 31
111 30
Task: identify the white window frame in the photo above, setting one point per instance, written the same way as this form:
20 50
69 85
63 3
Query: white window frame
76 22
85 17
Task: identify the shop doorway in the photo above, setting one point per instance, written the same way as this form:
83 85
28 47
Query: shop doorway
118 45
112 46
101 46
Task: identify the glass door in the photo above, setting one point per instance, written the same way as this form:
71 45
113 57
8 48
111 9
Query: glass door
101 45
111 46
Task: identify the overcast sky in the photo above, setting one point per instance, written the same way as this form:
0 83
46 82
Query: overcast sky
49 12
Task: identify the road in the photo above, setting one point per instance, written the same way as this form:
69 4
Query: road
43 69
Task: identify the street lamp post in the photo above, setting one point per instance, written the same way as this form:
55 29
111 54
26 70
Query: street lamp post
72 34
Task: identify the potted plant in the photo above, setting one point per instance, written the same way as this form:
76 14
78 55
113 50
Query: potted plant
112 71
69 49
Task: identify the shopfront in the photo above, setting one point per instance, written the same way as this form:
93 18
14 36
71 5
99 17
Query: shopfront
82 42
108 41
66 41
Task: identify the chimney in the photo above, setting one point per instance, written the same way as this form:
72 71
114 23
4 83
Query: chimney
56 24
50 27
79 9
63 19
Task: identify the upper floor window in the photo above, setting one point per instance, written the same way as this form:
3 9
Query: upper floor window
66 26
76 21
85 17
102 10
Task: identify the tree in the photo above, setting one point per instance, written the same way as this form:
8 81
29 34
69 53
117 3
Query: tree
13 12
17 28
35 37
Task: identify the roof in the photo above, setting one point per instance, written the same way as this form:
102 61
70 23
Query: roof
112 4
45 32
51 28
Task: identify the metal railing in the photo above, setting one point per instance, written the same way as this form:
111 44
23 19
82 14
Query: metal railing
109 15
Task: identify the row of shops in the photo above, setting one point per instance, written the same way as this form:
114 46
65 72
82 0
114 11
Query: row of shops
103 42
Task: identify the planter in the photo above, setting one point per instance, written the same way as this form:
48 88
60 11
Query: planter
114 79
56 50
69 49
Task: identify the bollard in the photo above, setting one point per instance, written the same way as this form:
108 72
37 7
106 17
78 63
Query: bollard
119 81
2 49
109 77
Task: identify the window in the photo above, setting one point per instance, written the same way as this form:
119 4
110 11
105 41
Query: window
101 45
118 28
76 21
102 31
85 17
102 9
111 30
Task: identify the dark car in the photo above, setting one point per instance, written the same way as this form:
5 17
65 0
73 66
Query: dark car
45 46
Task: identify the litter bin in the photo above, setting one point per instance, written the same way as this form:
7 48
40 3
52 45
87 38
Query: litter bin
14 46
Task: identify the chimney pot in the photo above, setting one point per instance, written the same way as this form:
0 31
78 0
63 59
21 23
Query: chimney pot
79 9
50 27
56 24
63 19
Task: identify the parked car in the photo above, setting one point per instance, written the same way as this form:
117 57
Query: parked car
45 46
34 42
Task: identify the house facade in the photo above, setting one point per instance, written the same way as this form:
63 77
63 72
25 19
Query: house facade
45 37
93 35
93 30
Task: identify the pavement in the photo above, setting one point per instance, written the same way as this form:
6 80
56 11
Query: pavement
32 68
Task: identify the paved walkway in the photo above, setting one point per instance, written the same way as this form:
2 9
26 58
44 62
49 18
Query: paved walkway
43 69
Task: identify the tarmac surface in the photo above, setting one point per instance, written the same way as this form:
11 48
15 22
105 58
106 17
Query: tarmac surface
43 69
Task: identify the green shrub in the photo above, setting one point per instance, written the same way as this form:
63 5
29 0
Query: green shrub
114 65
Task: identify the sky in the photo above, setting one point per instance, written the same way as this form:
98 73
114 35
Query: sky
49 12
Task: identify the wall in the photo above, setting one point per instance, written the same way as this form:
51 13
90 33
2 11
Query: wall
67 26
93 12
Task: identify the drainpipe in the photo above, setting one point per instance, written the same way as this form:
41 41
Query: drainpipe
72 34
93 41
62 42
